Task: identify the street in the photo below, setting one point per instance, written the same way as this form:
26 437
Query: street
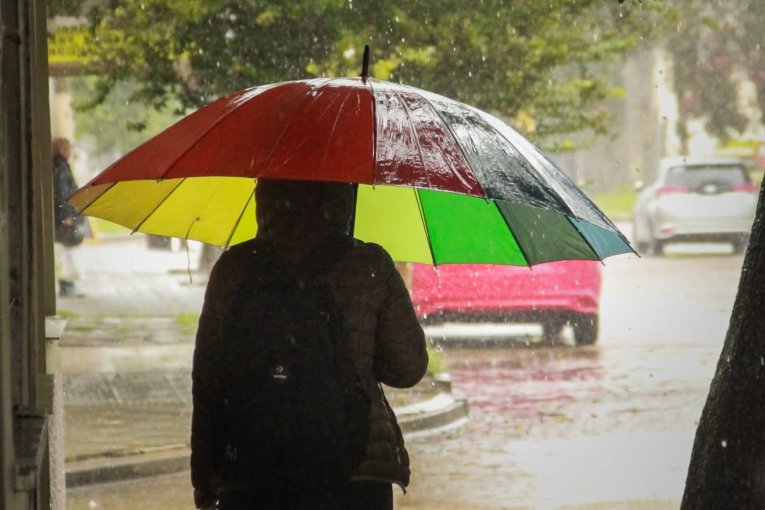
611 424
607 426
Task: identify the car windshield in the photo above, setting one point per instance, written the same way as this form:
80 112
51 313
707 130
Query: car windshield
694 177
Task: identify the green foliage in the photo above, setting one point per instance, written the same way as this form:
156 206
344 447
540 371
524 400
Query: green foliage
715 45
64 7
534 63
436 362
120 120
187 320
67 314
617 204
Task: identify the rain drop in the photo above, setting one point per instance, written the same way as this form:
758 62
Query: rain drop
92 504
724 443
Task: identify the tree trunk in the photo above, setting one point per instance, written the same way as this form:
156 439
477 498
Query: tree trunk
727 468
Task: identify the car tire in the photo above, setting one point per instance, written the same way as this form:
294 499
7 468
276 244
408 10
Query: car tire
640 245
159 242
657 248
585 329
551 332
739 245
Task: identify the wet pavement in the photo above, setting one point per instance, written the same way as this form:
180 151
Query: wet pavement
603 427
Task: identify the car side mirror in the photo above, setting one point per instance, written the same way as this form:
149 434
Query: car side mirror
639 185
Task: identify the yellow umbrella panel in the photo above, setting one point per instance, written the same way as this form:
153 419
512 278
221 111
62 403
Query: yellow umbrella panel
413 225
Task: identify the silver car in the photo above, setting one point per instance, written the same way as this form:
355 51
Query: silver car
695 200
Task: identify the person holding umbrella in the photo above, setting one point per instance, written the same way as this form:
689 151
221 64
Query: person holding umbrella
303 229
434 181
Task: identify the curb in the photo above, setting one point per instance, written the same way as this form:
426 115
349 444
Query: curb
436 415
105 469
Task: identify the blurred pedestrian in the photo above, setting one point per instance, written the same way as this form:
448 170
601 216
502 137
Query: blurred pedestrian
248 451
69 227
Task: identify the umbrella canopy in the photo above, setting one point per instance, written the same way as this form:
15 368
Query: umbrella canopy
439 181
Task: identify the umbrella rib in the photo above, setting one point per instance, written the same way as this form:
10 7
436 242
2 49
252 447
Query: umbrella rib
203 134
425 224
374 131
456 143
159 204
581 233
334 126
416 138
82 212
585 238
267 159
510 230
239 218
522 151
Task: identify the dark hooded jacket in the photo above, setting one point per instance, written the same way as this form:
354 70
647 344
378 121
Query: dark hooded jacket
385 339
63 186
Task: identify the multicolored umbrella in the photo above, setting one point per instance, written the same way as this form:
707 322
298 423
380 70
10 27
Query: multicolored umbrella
439 181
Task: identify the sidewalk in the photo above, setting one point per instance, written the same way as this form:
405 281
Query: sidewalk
126 363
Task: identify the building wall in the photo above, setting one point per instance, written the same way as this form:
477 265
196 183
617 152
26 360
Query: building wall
642 133
26 268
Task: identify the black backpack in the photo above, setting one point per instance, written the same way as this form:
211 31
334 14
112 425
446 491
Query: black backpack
294 403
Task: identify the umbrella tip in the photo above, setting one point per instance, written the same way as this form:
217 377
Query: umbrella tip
365 63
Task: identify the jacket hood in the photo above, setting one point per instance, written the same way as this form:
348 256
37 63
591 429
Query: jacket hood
284 206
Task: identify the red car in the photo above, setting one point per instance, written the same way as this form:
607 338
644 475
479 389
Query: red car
553 294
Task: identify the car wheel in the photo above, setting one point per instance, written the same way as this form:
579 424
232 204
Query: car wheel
657 248
640 245
551 332
739 245
585 329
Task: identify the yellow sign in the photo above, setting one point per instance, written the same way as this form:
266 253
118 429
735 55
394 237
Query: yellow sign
69 46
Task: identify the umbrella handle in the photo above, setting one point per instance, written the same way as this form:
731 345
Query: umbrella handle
365 63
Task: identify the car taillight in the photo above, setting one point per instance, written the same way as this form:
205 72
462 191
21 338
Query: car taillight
668 189
749 187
